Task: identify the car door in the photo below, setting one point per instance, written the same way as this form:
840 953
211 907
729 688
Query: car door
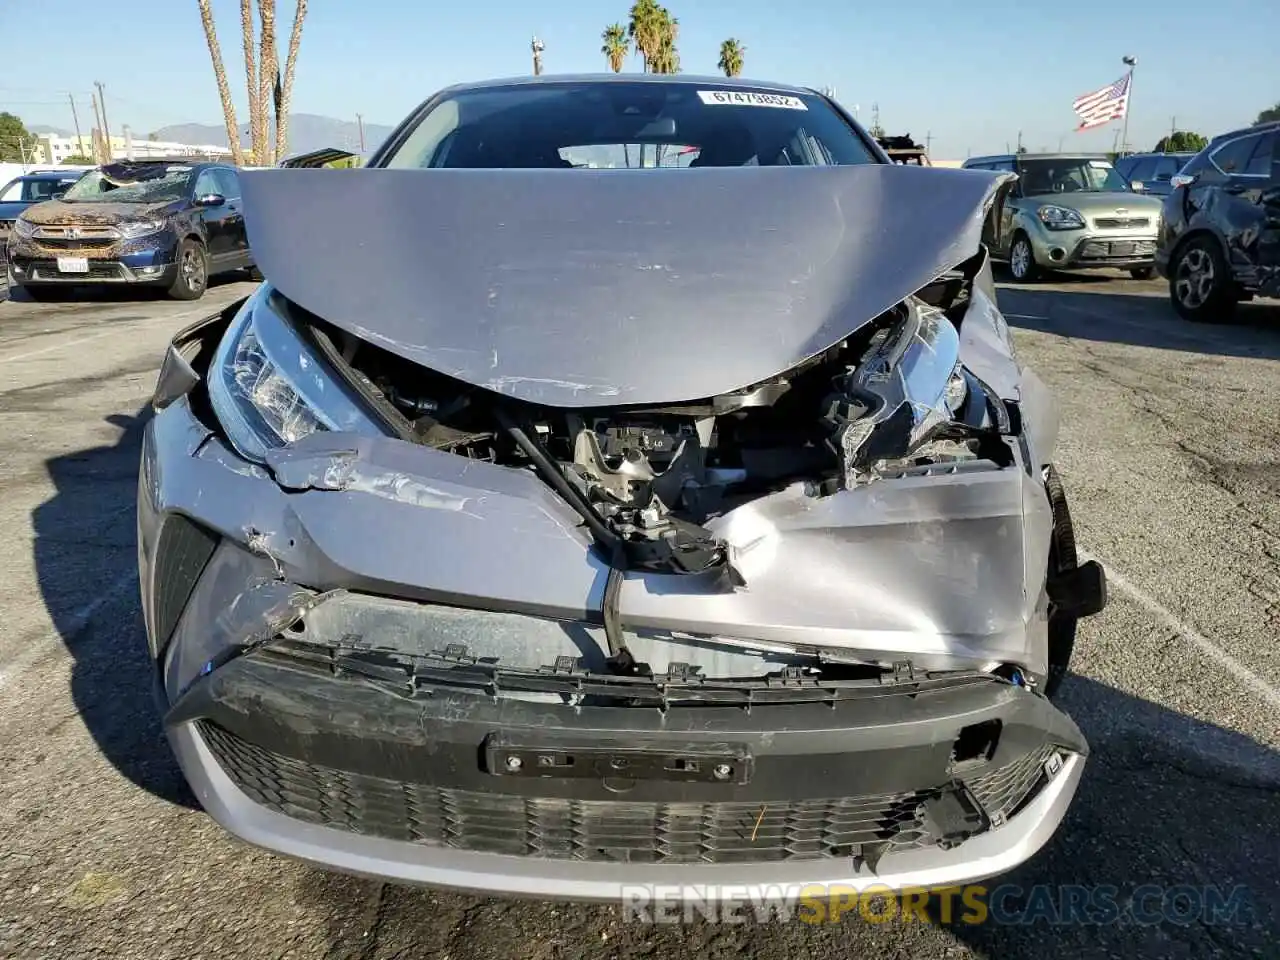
237 238
1229 197
1269 242
217 241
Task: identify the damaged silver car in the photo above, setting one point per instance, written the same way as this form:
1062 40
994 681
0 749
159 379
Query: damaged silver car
640 487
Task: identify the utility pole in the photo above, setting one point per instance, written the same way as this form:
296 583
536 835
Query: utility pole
1019 141
1131 62
106 128
537 46
360 124
128 143
97 140
928 142
76 120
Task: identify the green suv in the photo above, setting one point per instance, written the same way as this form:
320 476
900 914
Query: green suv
1070 211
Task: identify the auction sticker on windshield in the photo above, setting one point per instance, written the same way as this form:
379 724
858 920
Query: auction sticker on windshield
744 98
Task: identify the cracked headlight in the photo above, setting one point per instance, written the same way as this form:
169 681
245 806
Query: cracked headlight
1059 218
140 228
269 388
911 384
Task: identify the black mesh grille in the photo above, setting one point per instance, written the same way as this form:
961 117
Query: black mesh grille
1002 791
181 554
555 828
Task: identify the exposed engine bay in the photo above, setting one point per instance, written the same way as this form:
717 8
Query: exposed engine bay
647 478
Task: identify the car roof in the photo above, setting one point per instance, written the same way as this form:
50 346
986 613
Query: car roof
684 78
1065 155
1270 126
52 175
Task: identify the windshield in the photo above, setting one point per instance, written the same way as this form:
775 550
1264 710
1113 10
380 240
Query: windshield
162 184
619 125
1069 175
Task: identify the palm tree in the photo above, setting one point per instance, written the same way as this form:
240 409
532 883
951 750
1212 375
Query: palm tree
665 58
220 76
731 56
257 123
644 28
267 68
616 46
284 94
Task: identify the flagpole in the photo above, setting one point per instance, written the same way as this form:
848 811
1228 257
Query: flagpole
1132 62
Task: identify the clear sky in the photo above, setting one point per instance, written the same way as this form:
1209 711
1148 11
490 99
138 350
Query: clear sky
973 74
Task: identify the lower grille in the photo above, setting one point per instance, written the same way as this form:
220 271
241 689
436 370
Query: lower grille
98 270
182 551
584 830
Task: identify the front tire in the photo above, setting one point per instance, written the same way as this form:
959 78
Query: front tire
1022 260
1200 284
1142 273
193 271
1062 557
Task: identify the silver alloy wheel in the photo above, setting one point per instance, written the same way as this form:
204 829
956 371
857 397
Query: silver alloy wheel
192 269
1195 278
1020 258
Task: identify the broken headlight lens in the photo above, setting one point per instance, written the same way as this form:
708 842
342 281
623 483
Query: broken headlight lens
140 228
909 386
269 388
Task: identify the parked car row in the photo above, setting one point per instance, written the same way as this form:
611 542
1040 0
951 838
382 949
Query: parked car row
1208 222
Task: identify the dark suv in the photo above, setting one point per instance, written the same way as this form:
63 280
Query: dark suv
1152 173
164 223
1220 238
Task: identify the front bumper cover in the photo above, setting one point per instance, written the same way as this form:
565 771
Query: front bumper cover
865 792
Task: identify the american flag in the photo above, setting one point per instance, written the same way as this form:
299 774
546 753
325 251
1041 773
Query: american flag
1103 106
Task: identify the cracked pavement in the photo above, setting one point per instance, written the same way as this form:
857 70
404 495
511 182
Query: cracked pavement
1169 453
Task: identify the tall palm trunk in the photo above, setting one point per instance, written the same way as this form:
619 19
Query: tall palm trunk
268 65
256 120
220 75
286 90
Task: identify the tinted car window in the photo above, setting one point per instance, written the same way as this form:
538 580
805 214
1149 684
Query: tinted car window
1166 167
622 124
1124 165
1143 170
1042 176
228 183
1260 161
1233 156
206 183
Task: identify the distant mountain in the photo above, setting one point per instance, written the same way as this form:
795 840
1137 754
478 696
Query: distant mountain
38 128
307 132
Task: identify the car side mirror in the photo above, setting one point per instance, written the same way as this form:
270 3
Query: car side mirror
210 200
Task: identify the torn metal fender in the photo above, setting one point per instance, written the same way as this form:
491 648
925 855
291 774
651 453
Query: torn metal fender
537 296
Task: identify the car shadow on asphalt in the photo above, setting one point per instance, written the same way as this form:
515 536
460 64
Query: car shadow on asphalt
1169 807
116 292
86 560
1091 312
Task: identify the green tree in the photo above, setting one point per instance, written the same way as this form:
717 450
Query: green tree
16 141
616 46
78 158
1269 115
1181 141
731 57
666 58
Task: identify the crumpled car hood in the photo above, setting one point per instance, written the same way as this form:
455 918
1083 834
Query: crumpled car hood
96 213
602 287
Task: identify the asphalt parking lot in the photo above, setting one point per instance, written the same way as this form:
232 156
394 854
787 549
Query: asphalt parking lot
1171 456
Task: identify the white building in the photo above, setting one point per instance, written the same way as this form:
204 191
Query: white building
53 149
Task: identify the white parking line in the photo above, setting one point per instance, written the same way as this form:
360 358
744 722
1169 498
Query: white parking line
1206 646
77 622
187 314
